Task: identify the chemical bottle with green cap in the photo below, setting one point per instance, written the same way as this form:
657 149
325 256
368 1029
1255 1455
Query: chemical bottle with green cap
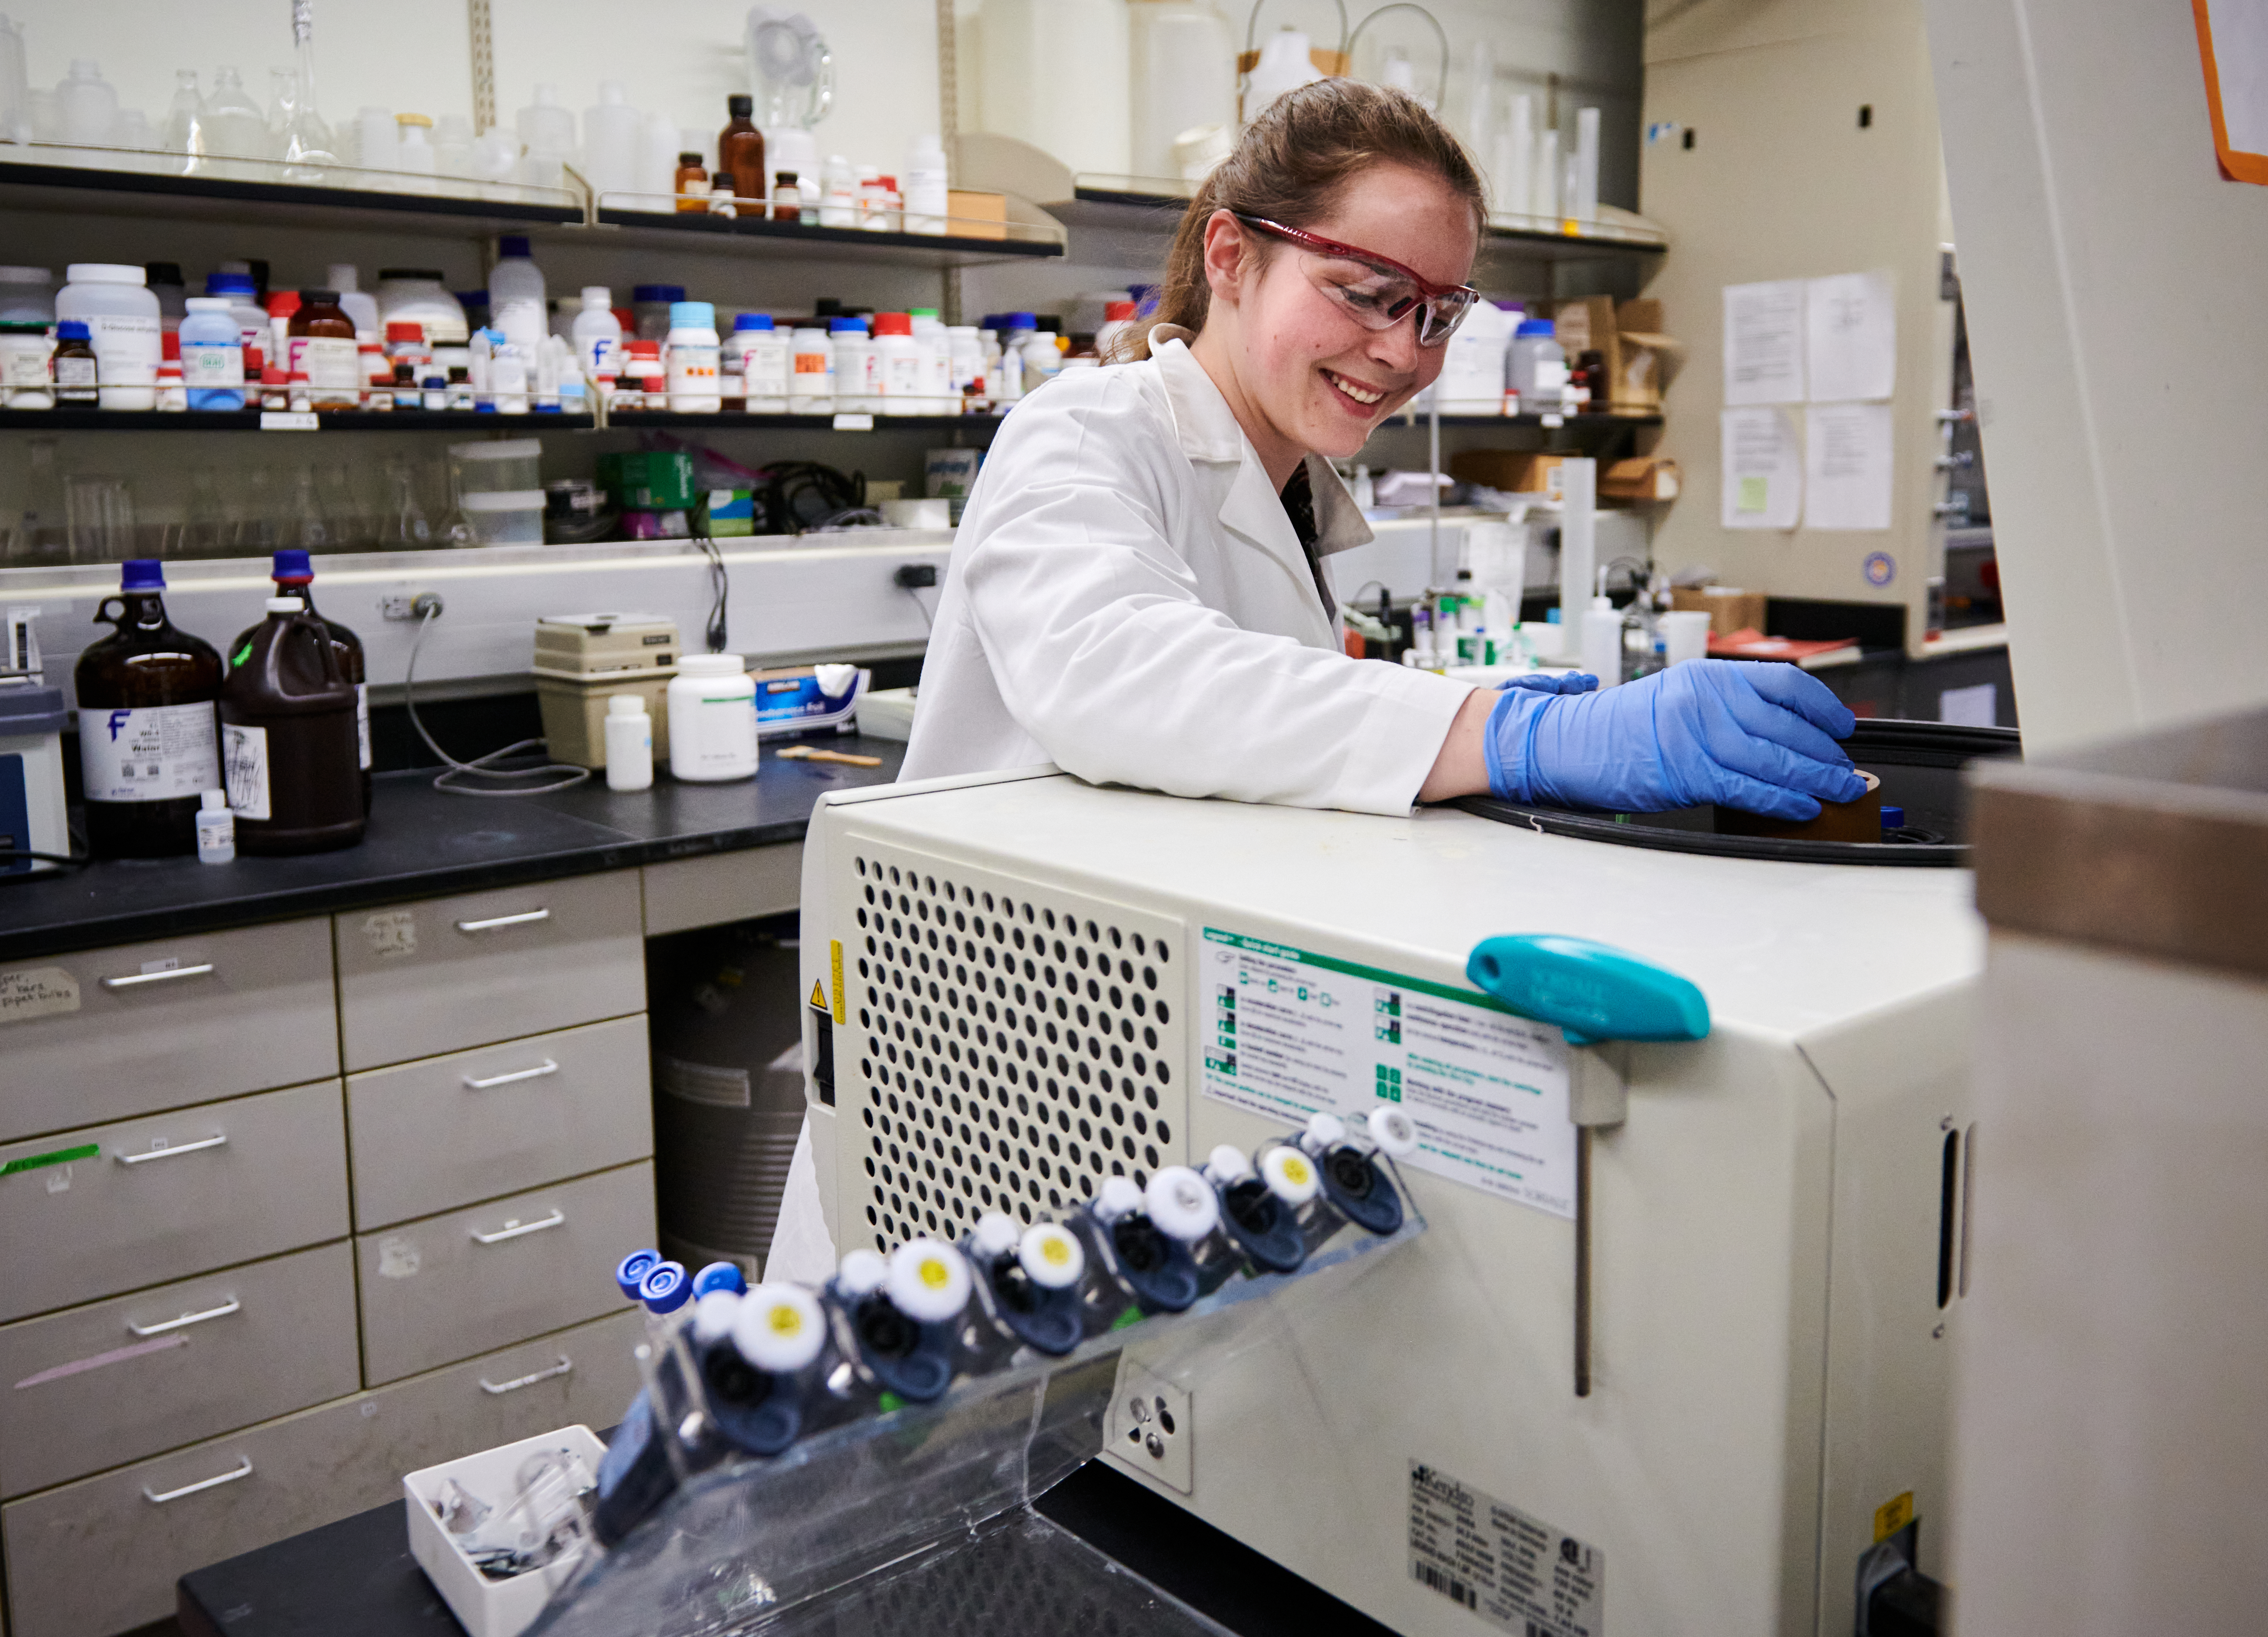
294 574
288 740
148 746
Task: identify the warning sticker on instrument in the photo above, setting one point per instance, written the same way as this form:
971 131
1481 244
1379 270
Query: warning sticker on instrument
1500 1563
1288 1033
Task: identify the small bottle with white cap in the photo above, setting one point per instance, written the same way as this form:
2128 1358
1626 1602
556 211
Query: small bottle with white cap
903 1317
1028 1283
1260 1202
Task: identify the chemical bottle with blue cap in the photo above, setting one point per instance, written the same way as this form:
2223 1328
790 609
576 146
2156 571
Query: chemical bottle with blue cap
856 371
902 1318
1261 1198
691 358
644 1461
1140 1243
1029 1289
294 574
148 737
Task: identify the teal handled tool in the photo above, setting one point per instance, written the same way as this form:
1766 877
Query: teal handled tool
1599 997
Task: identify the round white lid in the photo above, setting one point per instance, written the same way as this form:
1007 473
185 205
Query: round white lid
862 1273
1116 1198
1394 1130
1050 1256
1181 1203
1227 1164
625 704
994 1234
711 665
928 1280
284 605
504 500
713 1313
779 1327
1289 1175
105 273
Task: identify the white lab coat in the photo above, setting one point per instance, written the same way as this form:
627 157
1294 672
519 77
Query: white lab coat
1128 600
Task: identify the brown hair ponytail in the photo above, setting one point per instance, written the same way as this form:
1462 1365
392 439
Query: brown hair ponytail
1289 166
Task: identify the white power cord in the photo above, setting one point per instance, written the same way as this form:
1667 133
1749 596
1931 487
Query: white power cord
478 767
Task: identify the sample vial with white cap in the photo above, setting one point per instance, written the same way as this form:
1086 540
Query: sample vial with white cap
216 830
630 743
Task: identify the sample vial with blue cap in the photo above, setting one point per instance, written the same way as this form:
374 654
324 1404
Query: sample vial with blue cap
1893 818
665 1288
720 1276
631 1271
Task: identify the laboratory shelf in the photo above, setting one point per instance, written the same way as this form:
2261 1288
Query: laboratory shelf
249 421
656 230
1537 423
668 419
1139 203
134 182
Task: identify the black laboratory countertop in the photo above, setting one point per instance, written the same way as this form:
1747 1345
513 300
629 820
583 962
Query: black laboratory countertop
422 843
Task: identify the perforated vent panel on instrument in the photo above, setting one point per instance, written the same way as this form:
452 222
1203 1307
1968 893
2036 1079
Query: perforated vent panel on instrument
1013 1045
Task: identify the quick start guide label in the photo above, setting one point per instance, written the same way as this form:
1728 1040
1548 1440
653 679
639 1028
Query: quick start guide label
1289 1033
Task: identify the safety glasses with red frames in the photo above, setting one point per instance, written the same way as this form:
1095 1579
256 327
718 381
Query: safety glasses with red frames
1377 292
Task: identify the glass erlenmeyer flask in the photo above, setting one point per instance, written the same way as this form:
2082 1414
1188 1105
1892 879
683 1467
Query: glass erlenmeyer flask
307 522
38 531
184 133
403 525
259 508
307 145
204 520
234 128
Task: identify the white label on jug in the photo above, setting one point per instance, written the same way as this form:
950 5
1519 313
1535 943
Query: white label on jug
362 721
37 992
129 346
158 753
1500 1563
244 751
329 361
1289 1033
204 363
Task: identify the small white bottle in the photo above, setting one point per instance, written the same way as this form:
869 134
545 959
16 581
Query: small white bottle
630 743
899 365
763 362
598 334
1602 642
857 373
967 365
509 378
924 184
1042 360
216 830
692 359
810 388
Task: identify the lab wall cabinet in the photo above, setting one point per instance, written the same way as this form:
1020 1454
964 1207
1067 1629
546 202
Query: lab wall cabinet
292 1210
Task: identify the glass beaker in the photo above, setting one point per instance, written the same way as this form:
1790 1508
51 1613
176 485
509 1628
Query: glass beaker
98 509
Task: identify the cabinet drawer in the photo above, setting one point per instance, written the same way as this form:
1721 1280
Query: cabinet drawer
98 1386
161 1197
449 1286
435 1135
101 1555
108 1034
423 978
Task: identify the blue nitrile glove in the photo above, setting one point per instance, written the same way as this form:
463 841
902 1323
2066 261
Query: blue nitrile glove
1757 737
1546 681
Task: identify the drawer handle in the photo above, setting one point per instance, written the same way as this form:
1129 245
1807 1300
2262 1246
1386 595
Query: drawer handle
244 1470
217 1139
494 922
187 1319
515 1228
545 1067
565 1367
135 980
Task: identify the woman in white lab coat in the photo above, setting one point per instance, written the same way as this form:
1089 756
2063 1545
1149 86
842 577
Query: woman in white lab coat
1140 590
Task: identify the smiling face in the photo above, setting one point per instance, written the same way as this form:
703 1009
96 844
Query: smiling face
1301 373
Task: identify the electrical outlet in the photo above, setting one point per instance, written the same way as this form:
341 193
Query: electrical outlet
408 605
1152 1429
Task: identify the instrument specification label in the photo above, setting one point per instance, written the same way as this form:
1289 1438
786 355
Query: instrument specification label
1500 1563
1288 1032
